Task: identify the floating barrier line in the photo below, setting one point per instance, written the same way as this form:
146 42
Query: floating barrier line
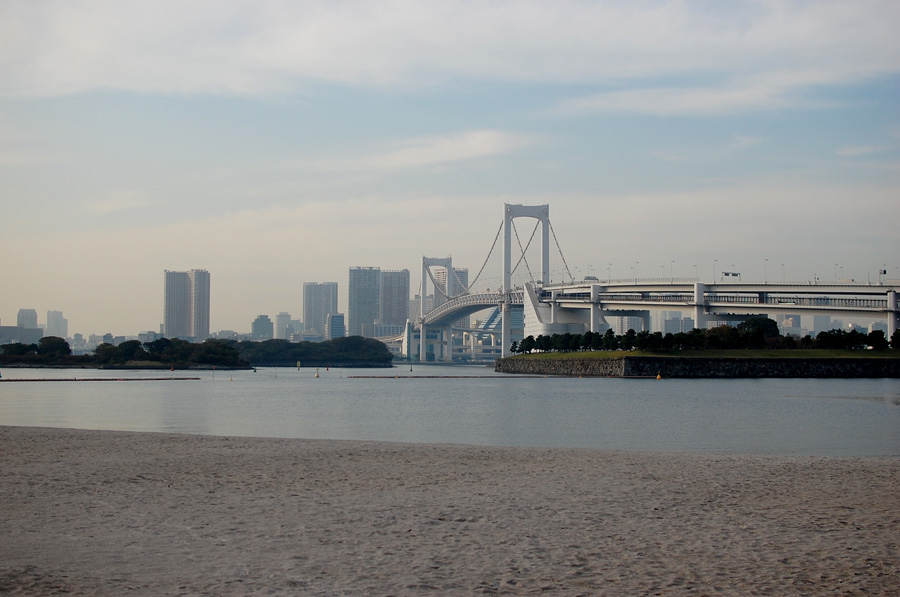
104 379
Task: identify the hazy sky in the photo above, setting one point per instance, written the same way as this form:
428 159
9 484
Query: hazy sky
275 143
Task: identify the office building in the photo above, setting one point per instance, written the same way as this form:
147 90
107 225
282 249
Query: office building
57 325
27 318
318 301
186 309
283 326
334 326
262 328
363 299
394 297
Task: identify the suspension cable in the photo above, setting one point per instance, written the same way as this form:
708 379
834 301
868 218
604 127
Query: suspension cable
556 240
522 258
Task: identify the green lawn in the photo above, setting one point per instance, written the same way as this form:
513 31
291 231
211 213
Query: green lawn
714 354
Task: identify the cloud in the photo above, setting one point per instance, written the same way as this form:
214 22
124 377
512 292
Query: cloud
120 200
31 158
237 47
423 152
859 150
737 144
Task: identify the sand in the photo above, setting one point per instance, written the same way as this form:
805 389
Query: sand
112 513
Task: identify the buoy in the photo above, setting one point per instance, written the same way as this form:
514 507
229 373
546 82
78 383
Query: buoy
658 376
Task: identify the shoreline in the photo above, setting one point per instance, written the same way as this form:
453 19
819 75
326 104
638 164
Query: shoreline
104 512
698 367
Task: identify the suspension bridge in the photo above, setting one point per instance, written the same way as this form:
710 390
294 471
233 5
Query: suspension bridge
577 306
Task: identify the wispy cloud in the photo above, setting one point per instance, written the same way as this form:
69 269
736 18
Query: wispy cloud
248 48
424 152
119 200
32 158
737 144
858 150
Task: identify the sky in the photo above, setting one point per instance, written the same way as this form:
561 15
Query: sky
281 142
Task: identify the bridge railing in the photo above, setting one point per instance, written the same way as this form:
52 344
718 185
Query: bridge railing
479 299
687 298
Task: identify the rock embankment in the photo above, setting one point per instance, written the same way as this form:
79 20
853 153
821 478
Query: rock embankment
694 367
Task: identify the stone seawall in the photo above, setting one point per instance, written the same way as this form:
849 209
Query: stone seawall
693 367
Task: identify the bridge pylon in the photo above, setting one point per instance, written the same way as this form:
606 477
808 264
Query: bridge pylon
510 212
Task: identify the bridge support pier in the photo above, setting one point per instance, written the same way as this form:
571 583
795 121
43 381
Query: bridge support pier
893 314
699 306
595 308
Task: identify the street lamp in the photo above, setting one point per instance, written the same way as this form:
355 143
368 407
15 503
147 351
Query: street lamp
672 272
696 275
608 273
766 271
714 270
782 273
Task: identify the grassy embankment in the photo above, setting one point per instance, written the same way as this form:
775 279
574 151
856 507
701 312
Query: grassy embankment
717 354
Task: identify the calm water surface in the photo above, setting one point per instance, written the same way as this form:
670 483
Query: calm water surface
776 416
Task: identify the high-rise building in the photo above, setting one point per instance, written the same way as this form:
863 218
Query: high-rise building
262 328
57 325
318 301
364 298
186 309
282 326
394 297
27 318
334 326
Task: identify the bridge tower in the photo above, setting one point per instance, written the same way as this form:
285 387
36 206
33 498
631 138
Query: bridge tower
444 334
510 212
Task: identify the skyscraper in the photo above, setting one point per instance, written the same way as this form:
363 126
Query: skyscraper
57 325
282 326
262 328
186 309
318 301
364 298
334 326
27 318
394 297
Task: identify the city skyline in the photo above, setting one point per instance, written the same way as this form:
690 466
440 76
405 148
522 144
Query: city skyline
681 137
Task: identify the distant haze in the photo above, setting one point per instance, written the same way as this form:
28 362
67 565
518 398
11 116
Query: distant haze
276 143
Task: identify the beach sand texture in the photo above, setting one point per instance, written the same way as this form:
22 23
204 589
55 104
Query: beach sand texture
112 513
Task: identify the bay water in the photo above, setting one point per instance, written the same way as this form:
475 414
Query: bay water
472 405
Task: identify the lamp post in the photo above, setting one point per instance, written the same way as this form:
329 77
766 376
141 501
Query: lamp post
608 273
782 273
696 275
714 270
766 271
672 272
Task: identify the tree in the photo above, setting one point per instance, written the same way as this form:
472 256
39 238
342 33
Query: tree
610 340
53 345
764 325
527 345
877 340
514 347
895 340
626 342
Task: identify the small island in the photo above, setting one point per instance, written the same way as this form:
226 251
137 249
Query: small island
175 354
752 349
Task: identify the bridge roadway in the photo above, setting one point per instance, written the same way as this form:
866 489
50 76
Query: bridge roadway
467 304
586 302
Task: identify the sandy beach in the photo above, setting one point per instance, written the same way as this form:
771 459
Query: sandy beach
111 513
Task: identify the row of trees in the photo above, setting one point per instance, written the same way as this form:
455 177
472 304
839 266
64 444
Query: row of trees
164 352
351 350
755 333
181 354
